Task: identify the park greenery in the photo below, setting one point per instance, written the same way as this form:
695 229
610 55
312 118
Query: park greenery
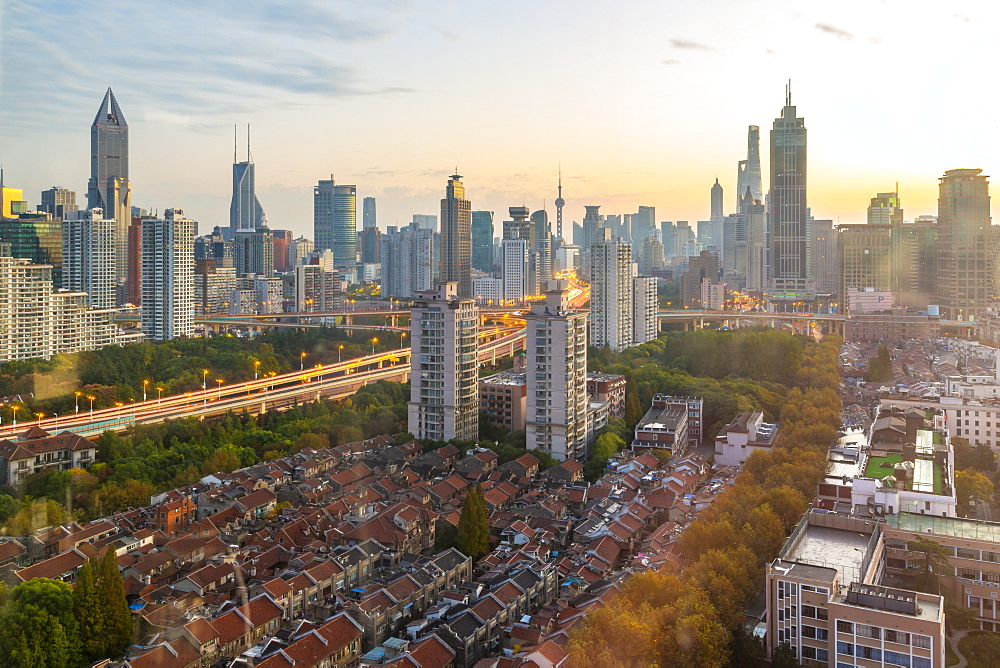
695 618
47 623
119 374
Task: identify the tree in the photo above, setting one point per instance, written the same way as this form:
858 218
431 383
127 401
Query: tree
90 611
972 486
880 367
935 560
39 627
119 617
473 539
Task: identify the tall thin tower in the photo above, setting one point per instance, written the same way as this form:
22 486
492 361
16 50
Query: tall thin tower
109 188
787 220
456 239
748 171
245 211
560 203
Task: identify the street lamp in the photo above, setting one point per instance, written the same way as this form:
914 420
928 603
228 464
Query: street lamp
15 409
219 381
374 341
402 336
159 395
76 403
145 385
256 368
39 416
302 361
340 349
91 406
204 385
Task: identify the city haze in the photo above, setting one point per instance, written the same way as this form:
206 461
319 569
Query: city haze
641 103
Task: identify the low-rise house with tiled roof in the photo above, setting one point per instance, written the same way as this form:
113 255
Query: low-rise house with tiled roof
242 627
38 451
567 471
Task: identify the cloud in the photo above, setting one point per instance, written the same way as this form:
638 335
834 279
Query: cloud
832 30
770 52
671 61
688 44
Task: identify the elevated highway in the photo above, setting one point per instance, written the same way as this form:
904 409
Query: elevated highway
331 381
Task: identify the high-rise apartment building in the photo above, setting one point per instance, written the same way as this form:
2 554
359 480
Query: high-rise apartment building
109 188
914 248
703 268
281 239
748 172
611 299
965 281
643 226
514 264
482 241
168 276
89 257
865 253
133 279
444 369
371 245
299 250
592 221
213 287
756 245
408 261
787 218
556 356
56 201
456 239
254 252
426 221
335 223
317 289
651 256
644 308
37 321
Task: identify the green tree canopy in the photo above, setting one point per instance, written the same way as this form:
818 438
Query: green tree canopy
473 538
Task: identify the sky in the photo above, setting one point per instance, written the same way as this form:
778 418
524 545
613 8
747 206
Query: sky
639 102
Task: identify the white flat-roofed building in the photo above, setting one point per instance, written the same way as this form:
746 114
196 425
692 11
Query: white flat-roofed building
444 369
168 276
556 370
746 434
89 256
644 309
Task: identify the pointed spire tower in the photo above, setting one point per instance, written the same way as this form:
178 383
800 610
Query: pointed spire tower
245 211
560 203
109 188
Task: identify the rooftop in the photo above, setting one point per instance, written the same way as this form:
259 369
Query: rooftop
946 526
831 548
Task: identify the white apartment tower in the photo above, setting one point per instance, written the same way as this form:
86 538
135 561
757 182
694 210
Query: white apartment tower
611 300
168 276
644 309
514 260
90 256
444 369
556 409
317 289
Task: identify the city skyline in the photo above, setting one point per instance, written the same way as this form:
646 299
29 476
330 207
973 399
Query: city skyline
407 130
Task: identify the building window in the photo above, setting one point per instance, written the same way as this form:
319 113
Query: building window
897 659
844 627
923 642
845 647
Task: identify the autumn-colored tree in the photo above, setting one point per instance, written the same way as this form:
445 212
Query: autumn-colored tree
971 486
473 538
222 460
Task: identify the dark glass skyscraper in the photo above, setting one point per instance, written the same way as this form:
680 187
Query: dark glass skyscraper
335 221
245 211
456 240
748 172
482 240
109 187
787 218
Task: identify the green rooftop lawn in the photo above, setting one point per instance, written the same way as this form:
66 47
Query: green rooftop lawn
875 469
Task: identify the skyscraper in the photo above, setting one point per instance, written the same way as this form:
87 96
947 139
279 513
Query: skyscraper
368 213
109 188
787 218
542 243
245 211
756 243
716 209
965 271
865 259
408 261
58 200
456 241
444 398
611 300
643 225
556 397
335 221
482 241
89 256
167 276
748 172
885 209
254 252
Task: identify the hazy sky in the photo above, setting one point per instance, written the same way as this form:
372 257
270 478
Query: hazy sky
643 103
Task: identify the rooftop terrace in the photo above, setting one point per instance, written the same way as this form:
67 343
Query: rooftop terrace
946 526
